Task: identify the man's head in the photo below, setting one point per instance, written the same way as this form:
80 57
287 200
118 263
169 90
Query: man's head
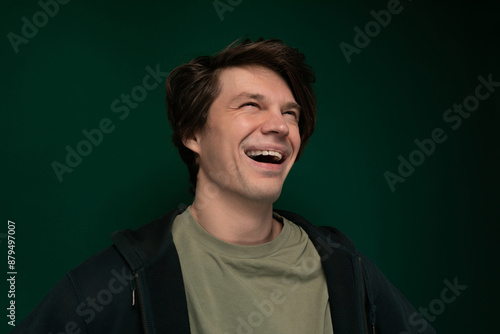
193 88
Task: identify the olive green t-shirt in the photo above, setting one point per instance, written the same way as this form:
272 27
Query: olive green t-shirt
277 287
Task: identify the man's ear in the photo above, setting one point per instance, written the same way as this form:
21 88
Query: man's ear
192 142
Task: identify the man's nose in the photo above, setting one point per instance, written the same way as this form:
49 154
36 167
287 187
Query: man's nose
275 123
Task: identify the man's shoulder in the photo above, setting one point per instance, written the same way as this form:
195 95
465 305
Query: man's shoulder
90 275
131 248
142 246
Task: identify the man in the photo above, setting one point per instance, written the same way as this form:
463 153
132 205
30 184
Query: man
229 263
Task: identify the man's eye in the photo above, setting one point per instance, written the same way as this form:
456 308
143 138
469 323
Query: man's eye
251 104
291 112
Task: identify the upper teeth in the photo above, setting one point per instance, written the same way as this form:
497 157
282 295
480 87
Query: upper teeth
256 153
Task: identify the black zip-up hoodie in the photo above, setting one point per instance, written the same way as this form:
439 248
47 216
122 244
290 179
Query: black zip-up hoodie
136 286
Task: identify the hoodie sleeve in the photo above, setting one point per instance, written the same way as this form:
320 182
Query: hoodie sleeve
96 297
56 313
390 311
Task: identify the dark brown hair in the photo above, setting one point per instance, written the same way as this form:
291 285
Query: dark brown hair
192 88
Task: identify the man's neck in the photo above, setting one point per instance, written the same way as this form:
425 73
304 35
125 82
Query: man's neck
236 221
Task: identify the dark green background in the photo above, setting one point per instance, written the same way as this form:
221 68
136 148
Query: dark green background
441 223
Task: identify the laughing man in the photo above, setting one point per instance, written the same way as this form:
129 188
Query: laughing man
229 263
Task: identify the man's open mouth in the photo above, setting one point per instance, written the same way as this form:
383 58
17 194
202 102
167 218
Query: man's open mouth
268 157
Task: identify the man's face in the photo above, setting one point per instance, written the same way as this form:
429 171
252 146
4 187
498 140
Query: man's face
251 137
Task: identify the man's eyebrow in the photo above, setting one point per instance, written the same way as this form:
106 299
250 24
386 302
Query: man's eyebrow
292 105
247 95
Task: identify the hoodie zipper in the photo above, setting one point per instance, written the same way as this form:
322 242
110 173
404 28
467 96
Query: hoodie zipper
141 302
363 296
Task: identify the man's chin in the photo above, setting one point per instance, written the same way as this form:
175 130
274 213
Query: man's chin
264 195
